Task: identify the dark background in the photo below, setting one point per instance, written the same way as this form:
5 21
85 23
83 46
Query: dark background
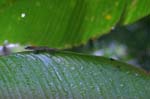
129 43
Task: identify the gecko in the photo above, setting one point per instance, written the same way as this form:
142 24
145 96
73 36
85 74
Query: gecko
38 49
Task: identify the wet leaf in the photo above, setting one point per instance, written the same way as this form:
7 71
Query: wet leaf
65 75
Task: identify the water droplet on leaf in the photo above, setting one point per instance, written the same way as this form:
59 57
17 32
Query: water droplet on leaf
121 85
23 15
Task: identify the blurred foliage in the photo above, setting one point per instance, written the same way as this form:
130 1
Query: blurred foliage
132 41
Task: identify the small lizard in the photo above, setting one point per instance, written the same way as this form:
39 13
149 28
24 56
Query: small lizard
41 49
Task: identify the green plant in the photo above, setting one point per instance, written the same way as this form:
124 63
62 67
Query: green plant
63 24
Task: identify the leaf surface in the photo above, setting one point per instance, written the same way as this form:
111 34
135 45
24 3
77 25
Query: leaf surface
62 75
65 23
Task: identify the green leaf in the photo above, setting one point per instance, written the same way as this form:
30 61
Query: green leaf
69 75
136 10
65 23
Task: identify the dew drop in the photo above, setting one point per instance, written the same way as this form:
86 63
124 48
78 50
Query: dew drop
81 68
72 68
121 85
58 60
23 15
80 83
